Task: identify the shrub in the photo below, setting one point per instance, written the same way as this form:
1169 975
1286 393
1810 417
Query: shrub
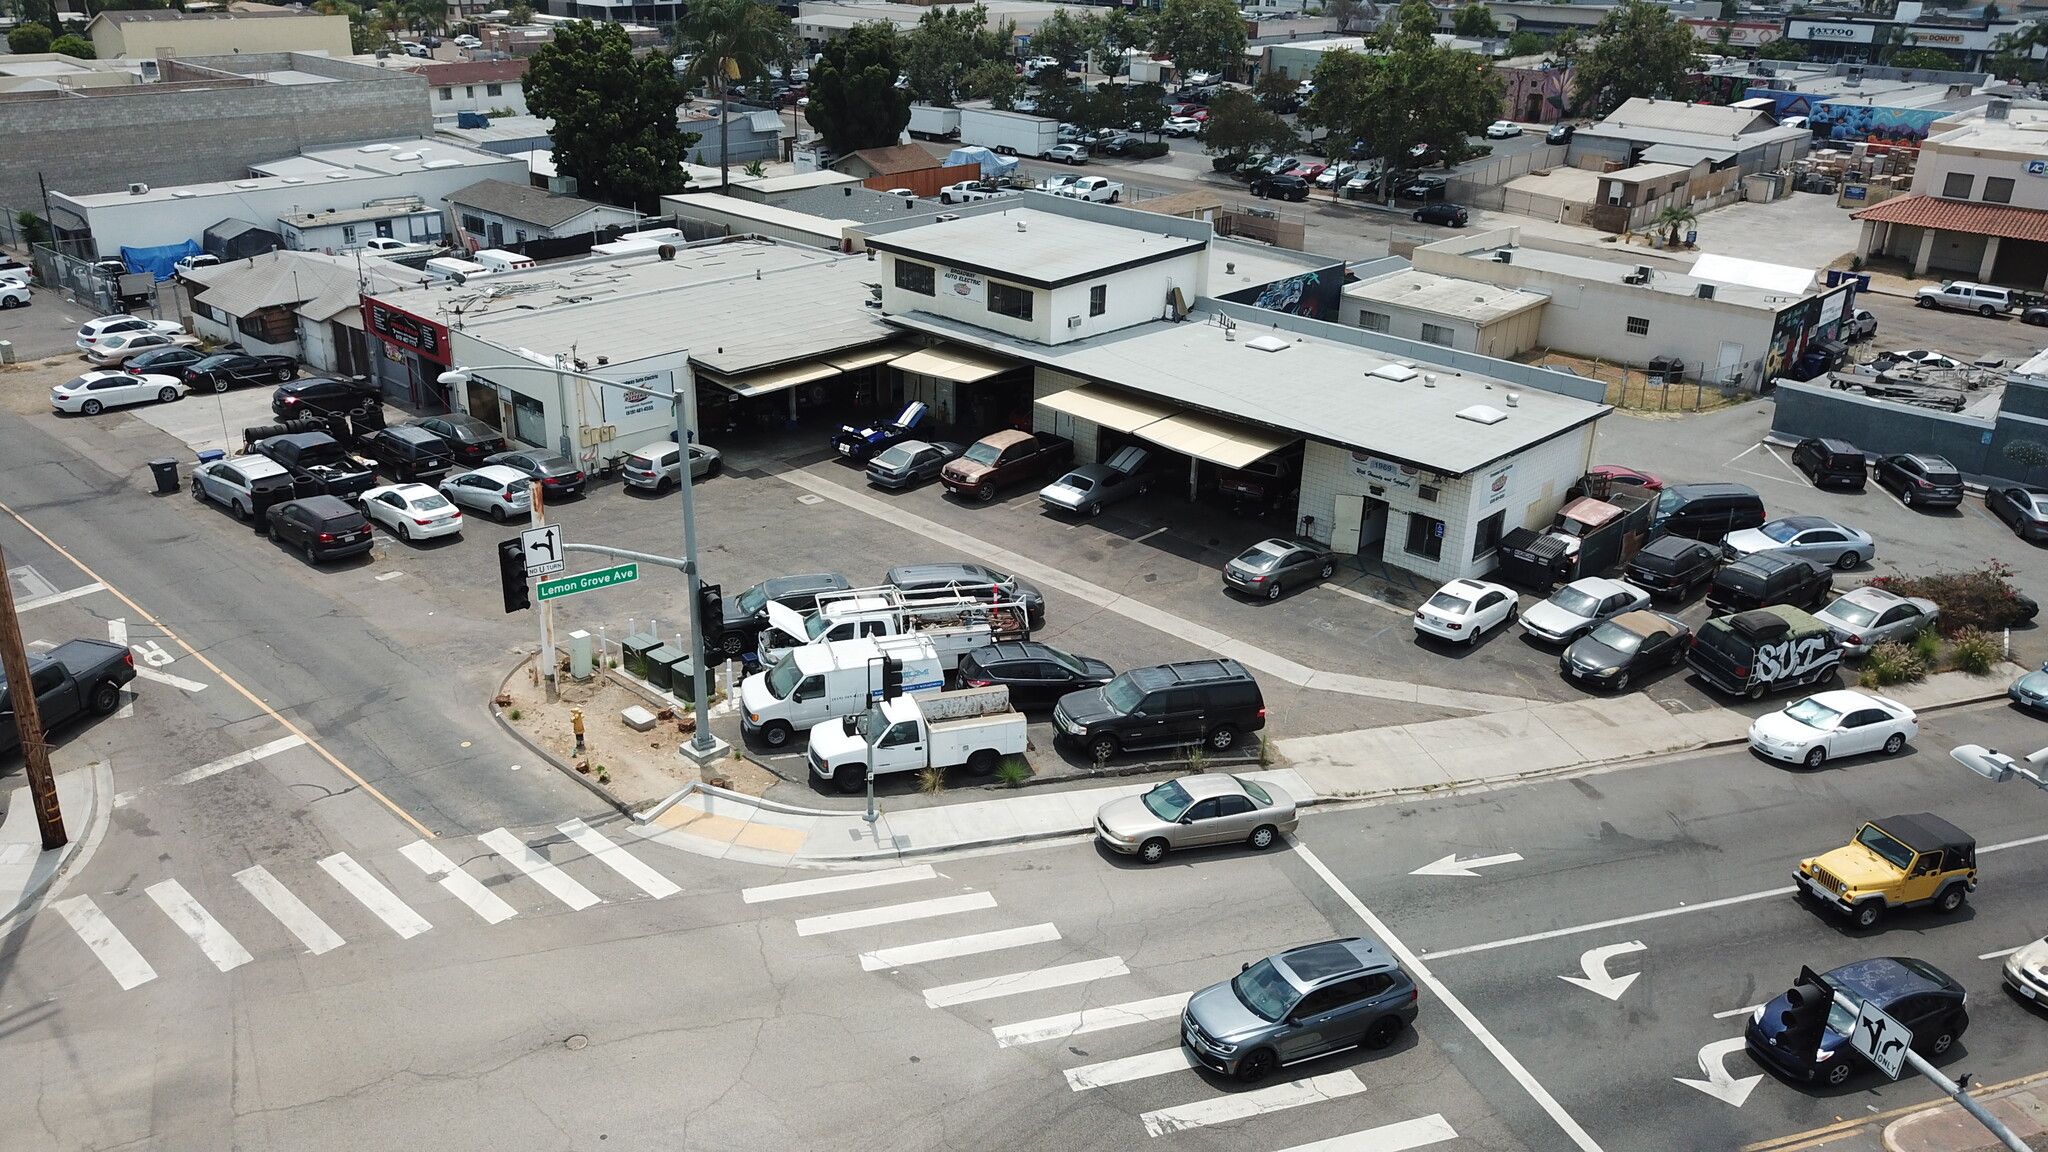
1013 771
1975 652
1892 662
1927 647
1984 598
1198 758
1265 752
515 713
931 781
1228 162
1150 150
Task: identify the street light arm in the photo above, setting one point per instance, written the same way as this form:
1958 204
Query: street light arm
1998 767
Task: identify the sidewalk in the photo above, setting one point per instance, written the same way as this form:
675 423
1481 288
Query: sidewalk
26 870
2022 1105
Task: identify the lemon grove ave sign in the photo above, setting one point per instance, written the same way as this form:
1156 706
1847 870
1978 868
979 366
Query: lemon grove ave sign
587 581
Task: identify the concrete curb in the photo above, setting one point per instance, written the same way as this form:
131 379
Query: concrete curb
589 782
70 858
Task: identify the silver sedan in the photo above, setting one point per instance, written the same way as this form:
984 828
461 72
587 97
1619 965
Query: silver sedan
1214 808
1815 538
1863 618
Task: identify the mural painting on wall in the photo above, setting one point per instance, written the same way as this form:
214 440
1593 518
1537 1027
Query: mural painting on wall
1311 294
1897 126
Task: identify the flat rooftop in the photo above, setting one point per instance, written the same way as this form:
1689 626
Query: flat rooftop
1235 265
1610 272
1472 300
317 168
1034 247
2024 130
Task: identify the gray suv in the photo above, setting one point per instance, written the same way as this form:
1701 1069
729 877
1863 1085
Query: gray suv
1300 1004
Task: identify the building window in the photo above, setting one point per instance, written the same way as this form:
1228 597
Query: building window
469 91
1639 325
348 234
1375 321
1425 536
447 93
1009 300
1957 187
914 277
1437 334
1998 189
494 89
519 237
1098 300
1488 537
529 421
472 223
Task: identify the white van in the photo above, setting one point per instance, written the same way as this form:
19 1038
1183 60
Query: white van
820 682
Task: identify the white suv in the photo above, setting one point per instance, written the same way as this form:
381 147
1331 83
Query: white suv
1983 299
657 465
13 294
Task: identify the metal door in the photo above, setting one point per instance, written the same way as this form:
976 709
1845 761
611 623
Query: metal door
1729 365
1347 525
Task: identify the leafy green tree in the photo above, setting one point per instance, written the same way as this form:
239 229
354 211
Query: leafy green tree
2028 454
1067 39
995 81
1199 35
1407 91
31 225
1239 124
1639 49
1120 30
734 41
1931 59
1278 91
1059 96
1349 14
29 39
1522 43
615 129
519 15
947 44
855 103
1783 48
1674 219
1474 22
1144 107
76 47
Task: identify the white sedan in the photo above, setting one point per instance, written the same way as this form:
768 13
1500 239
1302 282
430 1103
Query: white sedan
1825 724
95 392
413 511
493 489
1503 130
1579 605
1466 610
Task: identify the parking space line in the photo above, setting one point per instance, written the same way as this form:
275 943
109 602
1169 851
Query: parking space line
1258 1102
1016 983
1372 600
2001 952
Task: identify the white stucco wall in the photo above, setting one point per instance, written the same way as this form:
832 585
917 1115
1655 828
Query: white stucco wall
1134 296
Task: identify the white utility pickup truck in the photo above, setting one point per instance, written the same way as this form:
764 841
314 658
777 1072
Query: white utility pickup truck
975 727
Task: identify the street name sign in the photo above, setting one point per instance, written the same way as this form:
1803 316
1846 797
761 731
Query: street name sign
587 581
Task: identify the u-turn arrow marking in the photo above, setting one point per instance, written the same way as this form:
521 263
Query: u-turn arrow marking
1596 980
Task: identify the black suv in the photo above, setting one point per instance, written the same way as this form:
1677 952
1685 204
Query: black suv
1285 186
1762 579
1921 480
1449 215
1207 702
325 527
1037 675
1827 462
743 616
1708 511
324 397
1673 566
408 452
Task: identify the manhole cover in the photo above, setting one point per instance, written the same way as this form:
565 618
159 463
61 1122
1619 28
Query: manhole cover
576 1043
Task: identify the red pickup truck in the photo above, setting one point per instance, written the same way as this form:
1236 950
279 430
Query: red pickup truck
1005 457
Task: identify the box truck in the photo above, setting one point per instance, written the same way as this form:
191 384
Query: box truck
1010 133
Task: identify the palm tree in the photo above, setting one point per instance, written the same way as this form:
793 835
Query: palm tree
734 40
1672 219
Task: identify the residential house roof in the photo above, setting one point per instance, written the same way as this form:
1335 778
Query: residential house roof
522 202
897 158
320 287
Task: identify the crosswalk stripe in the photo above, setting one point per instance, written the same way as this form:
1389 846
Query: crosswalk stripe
539 869
1129 1068
374 895
850 882
618 859
954 946
290 911
457 883
1037 979
1243 1105
236 760
894 913
195 921
1420 1132
122 961
1091 1020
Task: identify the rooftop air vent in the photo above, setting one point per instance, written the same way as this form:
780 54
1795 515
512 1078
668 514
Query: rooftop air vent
1267 344
1395 372
337 175
1998 110
1482 414
378 148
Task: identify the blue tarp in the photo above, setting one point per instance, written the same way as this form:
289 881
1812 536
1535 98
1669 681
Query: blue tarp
992 165
161 263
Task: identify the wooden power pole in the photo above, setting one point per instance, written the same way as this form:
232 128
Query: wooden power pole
35 754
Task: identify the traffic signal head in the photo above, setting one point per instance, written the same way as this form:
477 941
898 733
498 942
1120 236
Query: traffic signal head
892 677
512 575
1806 1017
710 607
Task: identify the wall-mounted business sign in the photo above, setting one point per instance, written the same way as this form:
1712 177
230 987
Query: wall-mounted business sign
422 336
1832 31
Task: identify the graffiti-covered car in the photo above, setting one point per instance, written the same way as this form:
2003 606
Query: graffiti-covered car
1764 650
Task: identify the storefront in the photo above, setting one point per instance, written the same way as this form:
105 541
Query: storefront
410 354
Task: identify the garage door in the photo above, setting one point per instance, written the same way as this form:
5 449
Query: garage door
1118 410
2023 263
1215 439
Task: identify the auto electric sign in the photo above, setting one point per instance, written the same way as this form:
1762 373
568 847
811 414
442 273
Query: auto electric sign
422 336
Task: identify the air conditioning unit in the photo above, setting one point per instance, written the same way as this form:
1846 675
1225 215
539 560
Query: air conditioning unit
1706 292
1073 321
138 189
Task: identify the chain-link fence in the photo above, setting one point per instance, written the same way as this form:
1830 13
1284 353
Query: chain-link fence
1671 385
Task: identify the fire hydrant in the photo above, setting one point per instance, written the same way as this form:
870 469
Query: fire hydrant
576 725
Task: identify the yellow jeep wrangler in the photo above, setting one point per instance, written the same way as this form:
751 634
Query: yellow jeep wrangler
1894 862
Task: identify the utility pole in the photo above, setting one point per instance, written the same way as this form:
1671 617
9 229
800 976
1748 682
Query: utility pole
35 754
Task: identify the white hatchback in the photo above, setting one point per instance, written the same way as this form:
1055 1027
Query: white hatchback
1840 723
657 465
1466 610
94 331
413 511
95 392
495 490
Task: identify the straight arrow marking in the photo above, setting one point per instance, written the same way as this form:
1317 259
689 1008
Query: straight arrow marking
1718 1084
1596 980
1452 866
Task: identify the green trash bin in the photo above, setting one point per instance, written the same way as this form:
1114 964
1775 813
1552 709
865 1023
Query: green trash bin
658 662
636 647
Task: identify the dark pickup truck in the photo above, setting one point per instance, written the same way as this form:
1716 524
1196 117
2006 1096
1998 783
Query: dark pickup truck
1266 485
74 678
1004 458
318 465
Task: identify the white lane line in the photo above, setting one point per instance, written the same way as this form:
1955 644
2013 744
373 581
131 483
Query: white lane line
1162 1063
59 597
1375 601
1420 971
1149 535
1597 926
2001 952
1736 1012
539 869
1420 1132
955 946
123 962
848 883
2022 843
457 883
211 935
643 876
178 682
117 633
894 913
1244 1105
290 911
1015 983
374 895
1091 1020
250 756
389 576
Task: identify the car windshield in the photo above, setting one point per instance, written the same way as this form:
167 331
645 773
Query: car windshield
983 453
1122 695
816 623
1261 556
1841 1013
1851 613
1812 713
1168 801
1065 660
1781 530
1576 601
1445 602
754 599
783 677
1669 502
1253 790
897 457
1616 637
1885 844
1264 990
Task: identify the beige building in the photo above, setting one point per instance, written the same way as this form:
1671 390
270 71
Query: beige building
1979 205
144 34
1468 315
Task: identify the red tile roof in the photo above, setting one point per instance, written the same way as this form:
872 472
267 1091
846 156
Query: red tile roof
1960 216
473 72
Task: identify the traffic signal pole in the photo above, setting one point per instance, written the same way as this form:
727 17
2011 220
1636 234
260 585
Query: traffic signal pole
545 617
1969 1103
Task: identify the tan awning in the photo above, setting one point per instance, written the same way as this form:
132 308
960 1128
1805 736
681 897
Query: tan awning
1121 411
952 362
777 379
866 357
1211 438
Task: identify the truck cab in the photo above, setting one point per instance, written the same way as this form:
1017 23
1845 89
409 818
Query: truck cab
975 727
818 682
1903 861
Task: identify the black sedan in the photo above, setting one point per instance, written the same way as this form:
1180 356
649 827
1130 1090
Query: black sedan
558 475
2024 509
222 372
1615 652
909 463
471 438
163 362
1037 675
1928 1001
